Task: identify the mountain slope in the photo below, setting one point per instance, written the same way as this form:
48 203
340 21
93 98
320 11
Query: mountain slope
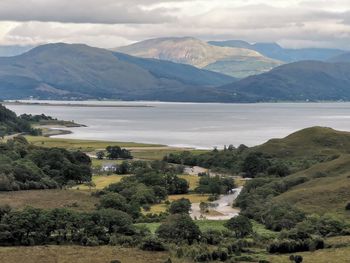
9 51
80 71
237 62
275 51
343 58
299 81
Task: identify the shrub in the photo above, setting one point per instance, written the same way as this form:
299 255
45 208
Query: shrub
152 244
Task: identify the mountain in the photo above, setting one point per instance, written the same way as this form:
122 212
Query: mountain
299 81
79 71
275 51
343 58
9 51
234 61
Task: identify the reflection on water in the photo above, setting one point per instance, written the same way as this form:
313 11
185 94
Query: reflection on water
194 124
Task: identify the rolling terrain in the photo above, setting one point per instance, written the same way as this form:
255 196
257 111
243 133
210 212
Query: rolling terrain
234 61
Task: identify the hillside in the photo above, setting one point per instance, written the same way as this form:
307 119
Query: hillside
275 51
9 51
299 81
10 123
343 58
326 183
62 71
314 141
327 188
237 62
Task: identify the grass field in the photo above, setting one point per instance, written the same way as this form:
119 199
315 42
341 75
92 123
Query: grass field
101 181
47 199
339 255
83 145
194 198
78 254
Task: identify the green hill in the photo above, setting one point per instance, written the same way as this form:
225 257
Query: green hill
327 188
308 143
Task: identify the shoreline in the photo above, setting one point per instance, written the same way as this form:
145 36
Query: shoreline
18 103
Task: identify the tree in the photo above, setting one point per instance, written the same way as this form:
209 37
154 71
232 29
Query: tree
100 155
241 225
115 152
181 206
255 163
178 228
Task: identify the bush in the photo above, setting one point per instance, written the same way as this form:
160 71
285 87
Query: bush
241 225
347 207
152 244
178 228
181 206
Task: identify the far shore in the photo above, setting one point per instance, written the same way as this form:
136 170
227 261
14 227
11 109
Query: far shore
74 105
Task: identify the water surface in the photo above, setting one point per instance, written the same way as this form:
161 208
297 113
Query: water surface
194 124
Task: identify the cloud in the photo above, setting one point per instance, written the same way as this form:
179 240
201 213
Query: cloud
84 11
111 23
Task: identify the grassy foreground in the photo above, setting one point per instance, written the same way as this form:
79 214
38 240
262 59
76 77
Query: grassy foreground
78 254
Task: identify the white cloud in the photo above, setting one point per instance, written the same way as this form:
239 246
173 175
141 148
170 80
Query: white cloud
110 23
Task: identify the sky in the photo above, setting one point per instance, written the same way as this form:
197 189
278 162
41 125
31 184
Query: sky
113 23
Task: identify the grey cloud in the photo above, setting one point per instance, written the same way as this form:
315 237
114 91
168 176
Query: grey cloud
84 11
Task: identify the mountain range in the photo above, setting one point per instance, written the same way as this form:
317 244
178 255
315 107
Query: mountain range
234 61
275 51
75 71
81 72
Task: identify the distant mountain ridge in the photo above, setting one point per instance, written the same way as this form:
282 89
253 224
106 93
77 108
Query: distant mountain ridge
299 81
234 61
74 71
275 51
9 51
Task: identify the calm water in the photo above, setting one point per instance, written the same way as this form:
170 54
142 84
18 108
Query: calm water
195 125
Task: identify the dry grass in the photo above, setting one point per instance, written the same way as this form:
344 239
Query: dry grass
78 254
101 181
193 180
340 255
48 199
194 198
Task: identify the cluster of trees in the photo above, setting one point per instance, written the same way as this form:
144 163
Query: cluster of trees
215 185
36 118
150 184
241 160
11 124
24 166
114 153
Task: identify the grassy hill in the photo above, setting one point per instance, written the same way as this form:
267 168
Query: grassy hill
234 61
308 143
327 180
327 188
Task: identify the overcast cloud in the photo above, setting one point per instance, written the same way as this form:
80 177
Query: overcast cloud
111 23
